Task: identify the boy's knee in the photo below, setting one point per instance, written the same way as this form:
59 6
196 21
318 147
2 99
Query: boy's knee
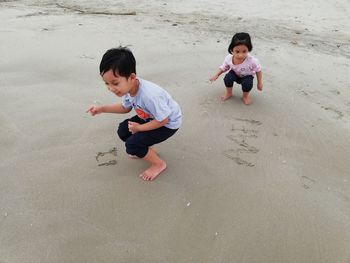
123 131
133 148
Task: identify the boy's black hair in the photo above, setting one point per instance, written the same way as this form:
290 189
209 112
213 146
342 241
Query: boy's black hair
120 60
240 39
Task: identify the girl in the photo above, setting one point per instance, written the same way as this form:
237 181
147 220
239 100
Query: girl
241 67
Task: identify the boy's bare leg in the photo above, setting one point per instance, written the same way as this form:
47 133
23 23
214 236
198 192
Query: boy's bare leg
227 95
135 157
153 149
157 166
245 98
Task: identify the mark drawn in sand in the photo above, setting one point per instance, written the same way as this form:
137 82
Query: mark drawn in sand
87 57
237 159
254 122
209 102
108 158
243 149
337 113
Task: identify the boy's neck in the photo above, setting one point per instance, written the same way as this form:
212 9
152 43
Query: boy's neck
133 91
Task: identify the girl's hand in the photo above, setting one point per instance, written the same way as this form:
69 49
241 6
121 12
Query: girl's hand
94 110
260 86
133 127
212 79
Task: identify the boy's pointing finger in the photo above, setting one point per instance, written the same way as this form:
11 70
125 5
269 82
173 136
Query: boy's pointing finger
89 109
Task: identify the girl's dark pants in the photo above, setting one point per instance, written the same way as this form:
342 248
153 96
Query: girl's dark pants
246 81
138 143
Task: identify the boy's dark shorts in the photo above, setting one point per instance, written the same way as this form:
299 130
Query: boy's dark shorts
138 143
246 81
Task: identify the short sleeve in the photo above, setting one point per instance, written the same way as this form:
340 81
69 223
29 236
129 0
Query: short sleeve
159 108
257 66
126 103
225 65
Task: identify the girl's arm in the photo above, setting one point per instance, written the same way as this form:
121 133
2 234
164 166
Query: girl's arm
215 77
259 79
152 125
114 108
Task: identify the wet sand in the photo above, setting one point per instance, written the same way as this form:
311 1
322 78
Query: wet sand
263 183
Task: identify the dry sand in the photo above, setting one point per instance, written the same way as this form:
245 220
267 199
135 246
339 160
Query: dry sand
264 183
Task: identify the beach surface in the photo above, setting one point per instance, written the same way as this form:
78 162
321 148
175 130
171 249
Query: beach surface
264 183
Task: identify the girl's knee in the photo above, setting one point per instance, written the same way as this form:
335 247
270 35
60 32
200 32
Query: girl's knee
246 88
247 84
228 80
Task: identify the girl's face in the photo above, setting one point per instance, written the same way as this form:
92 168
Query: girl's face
240 52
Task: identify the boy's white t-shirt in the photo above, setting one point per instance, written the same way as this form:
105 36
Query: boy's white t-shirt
153 102
249 66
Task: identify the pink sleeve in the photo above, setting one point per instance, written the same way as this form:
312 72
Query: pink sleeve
225 66
257 65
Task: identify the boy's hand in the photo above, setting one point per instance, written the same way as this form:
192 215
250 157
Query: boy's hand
94 110
133 127
260 86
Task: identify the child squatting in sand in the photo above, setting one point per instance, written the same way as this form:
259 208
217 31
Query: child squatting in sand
241 66
158 115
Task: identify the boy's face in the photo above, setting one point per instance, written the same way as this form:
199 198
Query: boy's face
240 52
117 84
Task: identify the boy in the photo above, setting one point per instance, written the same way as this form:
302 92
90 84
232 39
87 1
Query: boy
158 115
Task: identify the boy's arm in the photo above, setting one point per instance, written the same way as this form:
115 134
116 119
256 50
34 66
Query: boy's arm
259 79
152 125
114 108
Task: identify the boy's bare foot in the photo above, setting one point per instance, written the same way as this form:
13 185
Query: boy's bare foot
226 96
246 100
153 171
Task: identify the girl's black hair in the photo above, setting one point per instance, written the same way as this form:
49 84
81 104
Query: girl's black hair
120 60
240 39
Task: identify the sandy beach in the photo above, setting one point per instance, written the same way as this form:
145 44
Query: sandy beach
264 183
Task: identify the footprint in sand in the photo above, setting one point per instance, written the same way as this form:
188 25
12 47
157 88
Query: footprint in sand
338 114
243 137
335 92
307 182
107 158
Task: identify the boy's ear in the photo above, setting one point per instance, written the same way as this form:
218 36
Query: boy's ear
132 76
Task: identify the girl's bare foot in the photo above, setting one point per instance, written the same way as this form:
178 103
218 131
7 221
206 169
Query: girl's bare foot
225 96
246 100
153 171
